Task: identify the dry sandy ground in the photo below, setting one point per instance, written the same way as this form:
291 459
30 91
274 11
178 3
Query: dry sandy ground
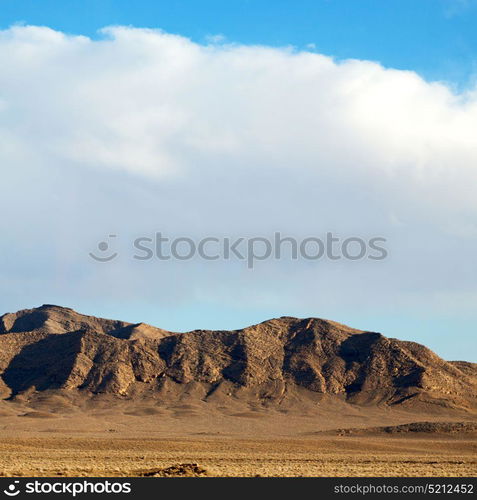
324 456
104 438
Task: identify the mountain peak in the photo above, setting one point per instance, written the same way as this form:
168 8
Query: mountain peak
53 306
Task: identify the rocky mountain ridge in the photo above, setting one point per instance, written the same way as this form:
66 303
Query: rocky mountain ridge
54 348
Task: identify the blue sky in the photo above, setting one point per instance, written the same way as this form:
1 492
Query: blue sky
436 38
132 131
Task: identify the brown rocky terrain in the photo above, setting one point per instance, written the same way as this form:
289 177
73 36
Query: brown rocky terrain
83 396
52 348
461 428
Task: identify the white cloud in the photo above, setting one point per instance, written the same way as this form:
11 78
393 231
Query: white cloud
218 38
142 131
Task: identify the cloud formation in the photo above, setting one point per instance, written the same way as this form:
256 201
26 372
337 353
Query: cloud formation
141 131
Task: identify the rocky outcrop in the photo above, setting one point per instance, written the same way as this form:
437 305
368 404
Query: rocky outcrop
52 348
